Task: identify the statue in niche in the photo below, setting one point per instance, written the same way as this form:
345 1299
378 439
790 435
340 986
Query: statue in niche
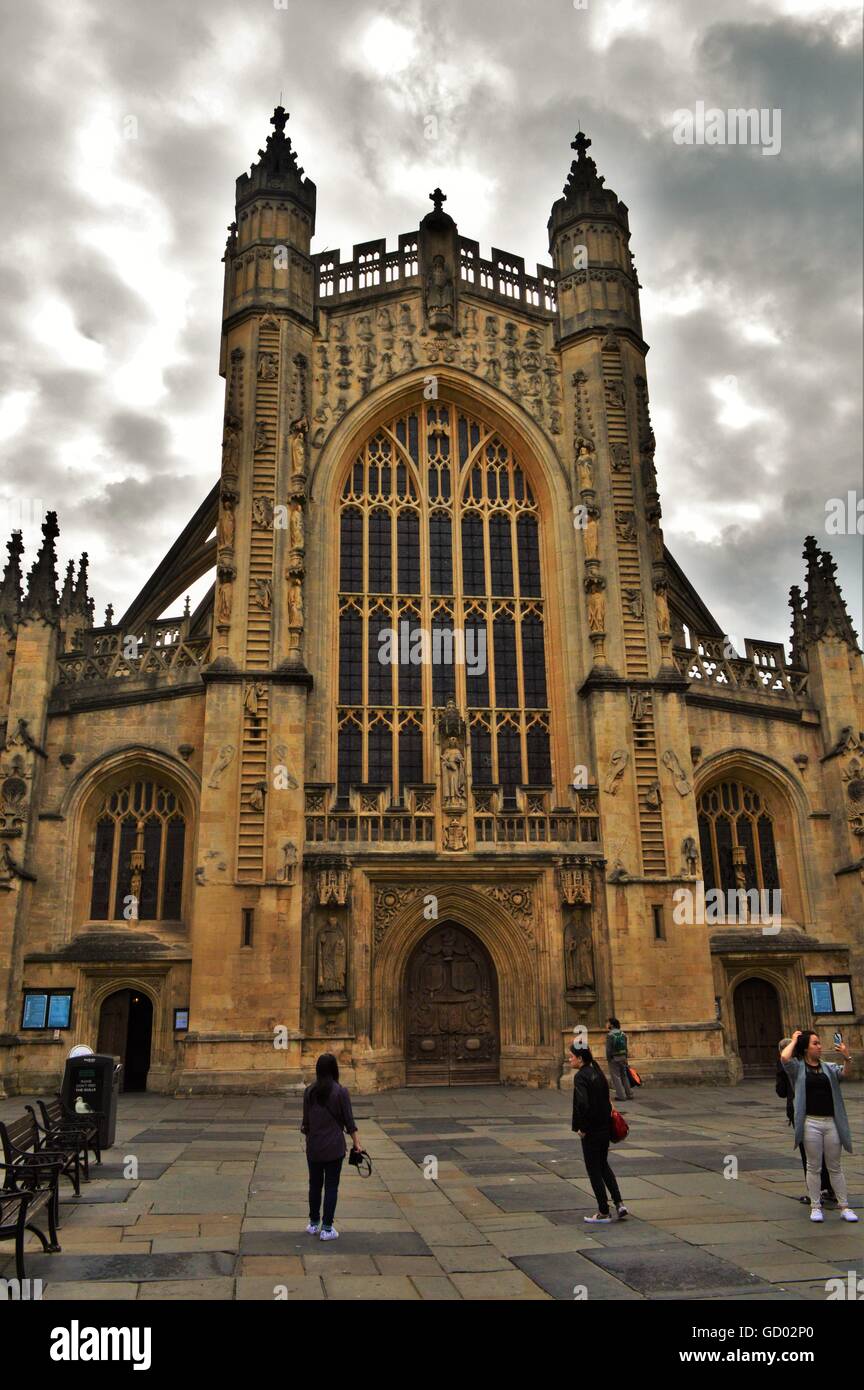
230 444
262 439
266 366
662 605
453 774
225 527
655 539
654 796
578 957
332 957
592 534
585 469
262 511
295 602
256 796
298 431
295 531
439 294
596 608
679 776
225 598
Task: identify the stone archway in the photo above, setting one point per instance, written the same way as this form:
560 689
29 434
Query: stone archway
451 1011
126 1031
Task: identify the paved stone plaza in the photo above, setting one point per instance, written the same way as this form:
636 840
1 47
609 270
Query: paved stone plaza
218 1208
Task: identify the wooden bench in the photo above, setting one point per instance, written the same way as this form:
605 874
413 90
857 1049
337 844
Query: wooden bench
60 1127
23 1144
33 1188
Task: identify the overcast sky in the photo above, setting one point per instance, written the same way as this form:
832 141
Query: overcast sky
125 126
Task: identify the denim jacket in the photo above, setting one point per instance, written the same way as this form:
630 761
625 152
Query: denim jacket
796 1070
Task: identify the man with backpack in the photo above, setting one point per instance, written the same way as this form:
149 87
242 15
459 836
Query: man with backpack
616 1056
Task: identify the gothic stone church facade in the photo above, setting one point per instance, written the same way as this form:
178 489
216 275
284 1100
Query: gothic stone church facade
233 839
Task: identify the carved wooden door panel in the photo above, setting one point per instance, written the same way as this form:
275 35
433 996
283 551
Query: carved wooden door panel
451 1032
758 1024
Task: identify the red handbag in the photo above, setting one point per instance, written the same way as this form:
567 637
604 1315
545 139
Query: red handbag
633 1077
618 1127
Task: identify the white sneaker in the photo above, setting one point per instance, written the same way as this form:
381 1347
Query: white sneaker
817 1214
848 1214
313 1228
598 1220
332 1234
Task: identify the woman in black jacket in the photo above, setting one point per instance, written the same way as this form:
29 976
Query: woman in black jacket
327 1116
592 1116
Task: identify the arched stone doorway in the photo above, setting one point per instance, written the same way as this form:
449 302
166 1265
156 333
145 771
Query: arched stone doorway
451 1011
758 1024
126 1031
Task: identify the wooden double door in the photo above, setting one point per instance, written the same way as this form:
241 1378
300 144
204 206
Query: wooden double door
451 1022
758 1025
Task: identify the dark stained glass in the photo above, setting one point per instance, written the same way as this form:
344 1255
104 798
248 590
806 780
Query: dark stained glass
706 854
350 658
509 760
148 906
102 859
441 553
350 762
476 651
501 556
533 662
481 757
124 871
539 764
527 544
410 755
473 567
506 673
408 551
172 892
768 853
380 754
380 572
383 653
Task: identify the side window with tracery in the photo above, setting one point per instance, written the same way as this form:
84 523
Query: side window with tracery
138 855
736 839
441 594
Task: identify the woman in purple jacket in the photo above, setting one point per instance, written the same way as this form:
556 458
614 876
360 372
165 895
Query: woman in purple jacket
327 1116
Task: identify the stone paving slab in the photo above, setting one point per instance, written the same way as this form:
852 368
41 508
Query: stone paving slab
225 1179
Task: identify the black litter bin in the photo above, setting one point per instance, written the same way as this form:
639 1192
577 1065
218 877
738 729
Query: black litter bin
96 1081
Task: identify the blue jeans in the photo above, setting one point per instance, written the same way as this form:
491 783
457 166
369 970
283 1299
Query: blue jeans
324 1175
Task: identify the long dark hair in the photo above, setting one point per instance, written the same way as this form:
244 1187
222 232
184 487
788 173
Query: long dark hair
802 1043
584 1052
326 1075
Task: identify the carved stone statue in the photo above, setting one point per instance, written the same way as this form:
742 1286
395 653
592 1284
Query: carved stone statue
578 957
654 796
295 602
225 597
267 370
439 295
661 603
690 851
253 695
453 774
256 796
225 528
596 609
617 763
262 439
679 776
585 469
298 430
263 594
592 534
295 529
288 867
223 758
332 957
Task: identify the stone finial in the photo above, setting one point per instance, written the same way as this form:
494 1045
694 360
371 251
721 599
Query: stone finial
10 585
583 176
41 597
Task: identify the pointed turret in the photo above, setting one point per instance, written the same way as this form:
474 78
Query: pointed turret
41 599
68 594
589 235
826 614
277 170
76 606
10 586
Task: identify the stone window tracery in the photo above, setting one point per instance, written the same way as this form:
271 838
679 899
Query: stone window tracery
138 855
440 546
736 839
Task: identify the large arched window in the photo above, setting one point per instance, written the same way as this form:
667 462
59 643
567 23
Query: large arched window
736 838
440 559
138 857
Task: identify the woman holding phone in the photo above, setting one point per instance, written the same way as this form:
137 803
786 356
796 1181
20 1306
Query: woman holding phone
821 1123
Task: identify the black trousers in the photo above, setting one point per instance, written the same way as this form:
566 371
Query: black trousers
825 1179
324 1175
595 1151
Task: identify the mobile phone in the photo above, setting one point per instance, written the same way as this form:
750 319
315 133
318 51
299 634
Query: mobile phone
838 1038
